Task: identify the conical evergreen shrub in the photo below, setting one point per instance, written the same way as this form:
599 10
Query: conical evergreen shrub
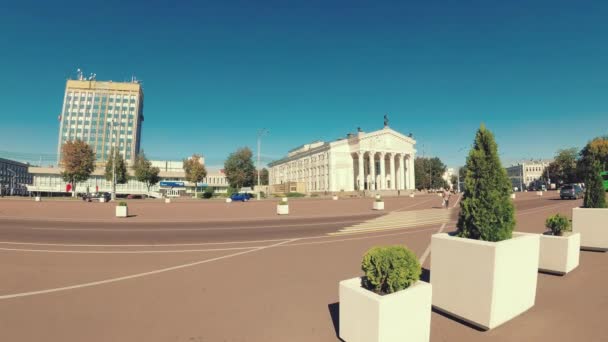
595 196
486 210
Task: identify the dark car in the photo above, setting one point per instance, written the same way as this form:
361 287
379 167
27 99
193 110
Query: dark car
243 197
571 191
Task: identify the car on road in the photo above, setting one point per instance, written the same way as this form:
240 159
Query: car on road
243 197
571 191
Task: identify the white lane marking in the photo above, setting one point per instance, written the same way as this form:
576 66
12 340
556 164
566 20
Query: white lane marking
125 252
427 251
138 275
194 229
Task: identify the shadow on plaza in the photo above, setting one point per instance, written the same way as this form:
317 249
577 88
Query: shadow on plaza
334 312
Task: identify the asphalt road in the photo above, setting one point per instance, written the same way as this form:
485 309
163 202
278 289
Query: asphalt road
263 279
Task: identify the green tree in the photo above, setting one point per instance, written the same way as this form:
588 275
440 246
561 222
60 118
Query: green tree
595 196
454 180
145 172
486 211
195 170
595 150
428 173
563 169
78 161
121 167
239 168
264 176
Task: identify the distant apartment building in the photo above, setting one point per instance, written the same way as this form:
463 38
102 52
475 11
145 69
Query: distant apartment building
105 115
14 177
528 173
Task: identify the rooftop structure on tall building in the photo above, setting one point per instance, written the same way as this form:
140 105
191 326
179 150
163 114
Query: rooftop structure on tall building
104 114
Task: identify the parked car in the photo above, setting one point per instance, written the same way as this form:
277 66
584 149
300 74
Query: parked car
571 191
134 196
243 197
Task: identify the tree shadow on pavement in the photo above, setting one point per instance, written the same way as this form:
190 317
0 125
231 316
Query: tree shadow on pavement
334 312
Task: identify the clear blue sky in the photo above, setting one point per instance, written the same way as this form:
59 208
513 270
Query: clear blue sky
536 72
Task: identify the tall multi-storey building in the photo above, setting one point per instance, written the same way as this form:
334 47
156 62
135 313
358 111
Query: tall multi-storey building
106 115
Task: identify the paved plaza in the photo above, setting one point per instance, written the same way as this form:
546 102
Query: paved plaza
205 271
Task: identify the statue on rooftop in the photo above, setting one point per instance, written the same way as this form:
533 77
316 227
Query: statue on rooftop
385 120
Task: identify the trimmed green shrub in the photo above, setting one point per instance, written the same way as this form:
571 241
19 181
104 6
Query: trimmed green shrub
379 200
122 204
595 196
558 224
295 194
283 203
487 212
389 269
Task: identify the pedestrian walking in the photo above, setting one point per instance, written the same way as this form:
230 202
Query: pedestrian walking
446 198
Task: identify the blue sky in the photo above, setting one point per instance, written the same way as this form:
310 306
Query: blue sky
534 72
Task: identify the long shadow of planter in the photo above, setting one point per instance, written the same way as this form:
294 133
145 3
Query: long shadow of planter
334 312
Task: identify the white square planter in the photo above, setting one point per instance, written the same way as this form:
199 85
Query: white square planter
559 254
102 200
512 196
335 198
122 211
228 200
397 317
539 193
37 199
378 205
167 200
593 225
484 283
412 195
282 209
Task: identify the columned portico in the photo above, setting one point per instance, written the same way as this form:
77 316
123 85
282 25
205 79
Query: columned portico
376 161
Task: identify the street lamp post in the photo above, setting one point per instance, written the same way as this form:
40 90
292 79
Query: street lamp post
261 133
113 124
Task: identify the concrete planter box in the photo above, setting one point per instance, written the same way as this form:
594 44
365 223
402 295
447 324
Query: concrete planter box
593 225
102 200
228 200
335 198
167 200
122 211
512 196
397 317
484 283
282 209
539 193
37 199
378 205
559 254
412 195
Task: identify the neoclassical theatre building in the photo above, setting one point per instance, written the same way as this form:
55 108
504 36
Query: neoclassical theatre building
382 160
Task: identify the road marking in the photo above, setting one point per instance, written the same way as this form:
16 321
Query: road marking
457 200
413 205
427 251
121 229
139 275
124 252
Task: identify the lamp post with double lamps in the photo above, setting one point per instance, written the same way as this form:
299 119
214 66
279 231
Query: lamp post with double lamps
113 125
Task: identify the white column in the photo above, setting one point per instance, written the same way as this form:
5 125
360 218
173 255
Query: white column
372 170
361 175
382 171
392 171
412 177
406 172
317 179
401 172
